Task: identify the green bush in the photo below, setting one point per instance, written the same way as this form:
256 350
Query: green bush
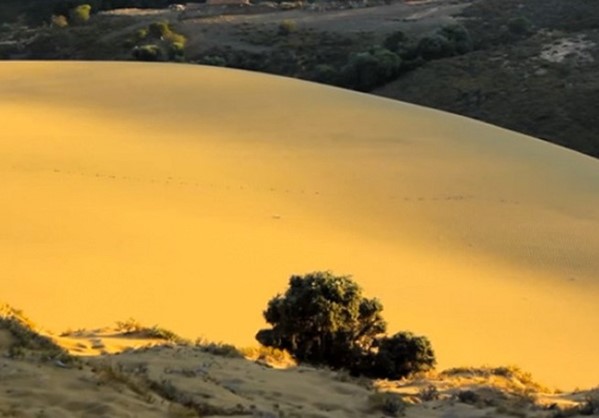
446 42
459 37
326 74
213 60
435 47
287 26
519 25
401 355
389 403
322 319
366 70
394 41
80 14
148 53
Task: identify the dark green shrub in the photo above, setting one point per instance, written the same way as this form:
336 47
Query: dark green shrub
394 41
435 47
402 354
159 29
389 403
176 51
326 74
459 37
80 15
519 25
287 26
213 60
322 319
366 70
148 53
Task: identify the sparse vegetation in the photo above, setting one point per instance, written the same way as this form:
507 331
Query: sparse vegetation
158 42
218 348
133 328
391 404
79 15
287 26
26 340
366 70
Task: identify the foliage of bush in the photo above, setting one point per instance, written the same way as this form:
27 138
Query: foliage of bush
391 404
446 42
79 15
26 340
366 70
287 26
519 25
213 60
394 41
162 43
403 354
59 21
323 319
148 53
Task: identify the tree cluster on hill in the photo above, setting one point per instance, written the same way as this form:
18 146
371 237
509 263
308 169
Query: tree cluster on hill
39 11
323 319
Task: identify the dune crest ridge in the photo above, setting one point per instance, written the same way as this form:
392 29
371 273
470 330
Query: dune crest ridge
187 196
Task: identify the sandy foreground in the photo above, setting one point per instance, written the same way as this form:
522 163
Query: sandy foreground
118 373
186 196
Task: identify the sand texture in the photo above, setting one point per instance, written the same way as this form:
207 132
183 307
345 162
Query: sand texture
186 196
210 380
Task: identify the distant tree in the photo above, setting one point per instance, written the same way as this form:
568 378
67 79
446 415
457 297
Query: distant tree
435 47
148 53
459 37
80 14
323 319
519 25
287 26
366 70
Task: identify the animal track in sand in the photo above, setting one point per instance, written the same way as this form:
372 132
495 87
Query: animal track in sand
193 183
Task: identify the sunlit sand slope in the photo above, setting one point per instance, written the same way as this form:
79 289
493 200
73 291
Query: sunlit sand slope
186 196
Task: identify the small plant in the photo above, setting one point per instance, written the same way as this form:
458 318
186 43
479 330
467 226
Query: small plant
218 349
26 340
429 393
287 27
79 15
148 53
519 25
131 327
391 404
59 21
213 60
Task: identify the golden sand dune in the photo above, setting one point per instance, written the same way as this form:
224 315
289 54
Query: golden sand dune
186 196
